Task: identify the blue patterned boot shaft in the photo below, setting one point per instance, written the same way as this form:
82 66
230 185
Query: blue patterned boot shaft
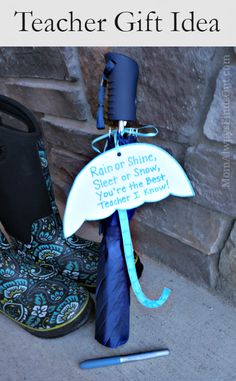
73 257
27 209
37 299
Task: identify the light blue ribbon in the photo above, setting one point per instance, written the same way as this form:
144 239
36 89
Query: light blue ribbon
129 257
136 131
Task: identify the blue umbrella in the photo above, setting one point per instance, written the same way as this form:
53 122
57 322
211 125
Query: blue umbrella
116 269
113 284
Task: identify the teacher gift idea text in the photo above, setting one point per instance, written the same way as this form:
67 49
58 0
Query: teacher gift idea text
123 178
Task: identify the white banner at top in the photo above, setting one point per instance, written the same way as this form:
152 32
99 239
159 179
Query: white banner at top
118 23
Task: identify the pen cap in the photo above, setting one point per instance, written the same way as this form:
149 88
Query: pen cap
122 87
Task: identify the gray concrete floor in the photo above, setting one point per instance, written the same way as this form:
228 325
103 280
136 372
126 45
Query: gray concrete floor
197 327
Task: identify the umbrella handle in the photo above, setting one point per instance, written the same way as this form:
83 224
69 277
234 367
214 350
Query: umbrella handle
129 257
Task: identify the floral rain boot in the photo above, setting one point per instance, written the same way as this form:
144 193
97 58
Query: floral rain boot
27 206
43 303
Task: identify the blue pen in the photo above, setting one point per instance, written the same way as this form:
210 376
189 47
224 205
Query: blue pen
117 360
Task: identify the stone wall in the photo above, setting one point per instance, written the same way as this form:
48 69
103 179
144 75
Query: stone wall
190 94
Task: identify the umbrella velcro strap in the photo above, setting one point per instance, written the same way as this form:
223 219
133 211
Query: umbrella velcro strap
101 94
